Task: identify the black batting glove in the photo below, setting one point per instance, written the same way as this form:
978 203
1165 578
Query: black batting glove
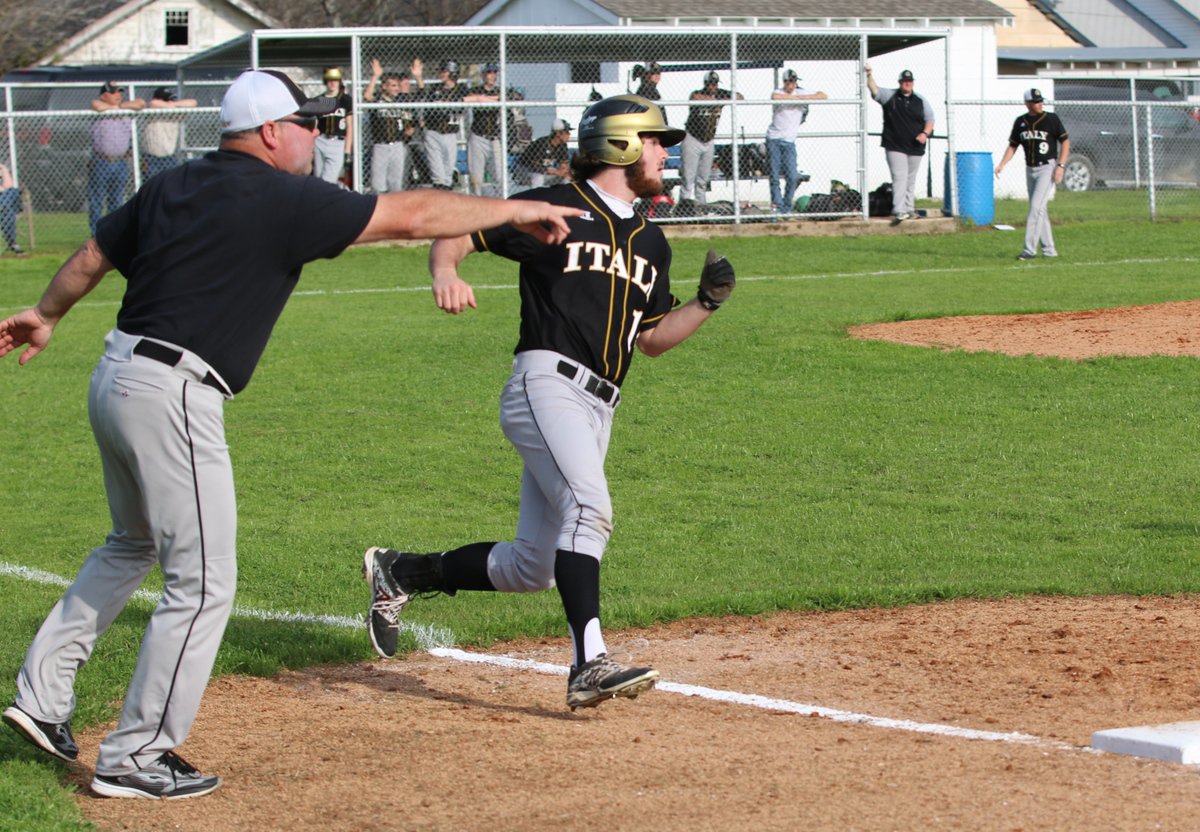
716 281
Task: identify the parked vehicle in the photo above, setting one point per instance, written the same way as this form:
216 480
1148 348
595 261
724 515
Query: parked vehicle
1110 144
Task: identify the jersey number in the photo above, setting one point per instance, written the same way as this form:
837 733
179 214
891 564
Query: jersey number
1044 149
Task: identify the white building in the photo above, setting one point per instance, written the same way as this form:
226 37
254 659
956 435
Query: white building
158 32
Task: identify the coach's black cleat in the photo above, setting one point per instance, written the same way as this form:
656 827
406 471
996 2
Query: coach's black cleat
1026 256
52 737
170 777
602 679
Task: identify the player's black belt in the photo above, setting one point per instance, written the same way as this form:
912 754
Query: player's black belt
171 357
595 385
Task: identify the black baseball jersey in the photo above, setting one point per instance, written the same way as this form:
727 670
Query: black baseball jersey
541 155
702 121
485 121
589 297
334 124
1039 136
197 280
444 121
393 124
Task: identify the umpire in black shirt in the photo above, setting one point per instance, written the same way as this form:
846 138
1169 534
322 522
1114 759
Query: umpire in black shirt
210 251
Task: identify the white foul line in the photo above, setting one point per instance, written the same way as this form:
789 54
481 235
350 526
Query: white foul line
438 641
780 705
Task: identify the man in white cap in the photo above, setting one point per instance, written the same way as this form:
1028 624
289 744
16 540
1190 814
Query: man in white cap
210 251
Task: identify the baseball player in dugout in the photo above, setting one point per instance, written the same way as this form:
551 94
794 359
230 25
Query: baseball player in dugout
698 149
585 306
1047 147
442 126
210 252
907 126
331 153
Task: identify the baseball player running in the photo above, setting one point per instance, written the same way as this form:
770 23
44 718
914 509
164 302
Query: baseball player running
584 307
1047 148
210 251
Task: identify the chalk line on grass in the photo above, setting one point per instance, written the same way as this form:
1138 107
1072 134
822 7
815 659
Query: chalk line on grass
438 641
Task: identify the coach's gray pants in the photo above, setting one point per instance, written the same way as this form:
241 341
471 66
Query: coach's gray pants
904 169
161 436
390 167
561 432
482 163
1040 182
329 157
441 151
695 168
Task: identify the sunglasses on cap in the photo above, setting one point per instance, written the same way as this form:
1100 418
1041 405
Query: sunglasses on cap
309 123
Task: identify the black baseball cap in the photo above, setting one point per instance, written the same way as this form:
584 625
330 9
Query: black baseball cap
712 78
110 87
906 75
1033 95
164 94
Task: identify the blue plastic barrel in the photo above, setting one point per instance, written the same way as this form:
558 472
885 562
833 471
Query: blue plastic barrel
976 196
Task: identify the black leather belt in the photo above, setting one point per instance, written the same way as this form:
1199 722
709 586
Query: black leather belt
595 385
171 357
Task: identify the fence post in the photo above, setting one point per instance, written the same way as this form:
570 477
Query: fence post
1150 161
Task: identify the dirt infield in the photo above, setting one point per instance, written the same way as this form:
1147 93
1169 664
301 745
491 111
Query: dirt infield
429 743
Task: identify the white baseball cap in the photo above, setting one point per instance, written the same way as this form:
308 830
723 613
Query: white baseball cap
560 126
262 95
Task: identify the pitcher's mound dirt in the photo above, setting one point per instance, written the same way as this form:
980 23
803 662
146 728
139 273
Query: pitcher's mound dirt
433 744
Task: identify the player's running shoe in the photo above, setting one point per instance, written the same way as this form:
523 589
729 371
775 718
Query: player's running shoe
52 737
602 679
387 599
170 777
395 579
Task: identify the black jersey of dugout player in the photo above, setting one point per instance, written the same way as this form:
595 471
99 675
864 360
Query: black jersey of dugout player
444 121
1038 136
485 121
702 121
198 279
334 124
589 297
392 124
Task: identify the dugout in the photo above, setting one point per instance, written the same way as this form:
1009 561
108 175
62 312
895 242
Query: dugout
554 72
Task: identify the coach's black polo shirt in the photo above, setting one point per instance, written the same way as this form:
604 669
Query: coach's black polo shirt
212 249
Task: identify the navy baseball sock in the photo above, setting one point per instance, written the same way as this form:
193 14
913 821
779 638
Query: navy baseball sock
466 568
578 580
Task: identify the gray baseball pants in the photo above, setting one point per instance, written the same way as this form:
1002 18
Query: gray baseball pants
167 472
441 151
1040 182
561 432
329 157
482 156
695 168
904 169
390 167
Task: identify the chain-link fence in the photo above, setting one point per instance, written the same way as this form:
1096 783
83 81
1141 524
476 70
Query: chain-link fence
495 112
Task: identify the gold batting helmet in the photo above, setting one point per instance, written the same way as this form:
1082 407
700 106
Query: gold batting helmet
611 129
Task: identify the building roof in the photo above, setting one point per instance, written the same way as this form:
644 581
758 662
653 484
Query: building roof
808 13
809 10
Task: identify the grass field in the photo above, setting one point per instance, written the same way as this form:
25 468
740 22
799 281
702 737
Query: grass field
769 463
